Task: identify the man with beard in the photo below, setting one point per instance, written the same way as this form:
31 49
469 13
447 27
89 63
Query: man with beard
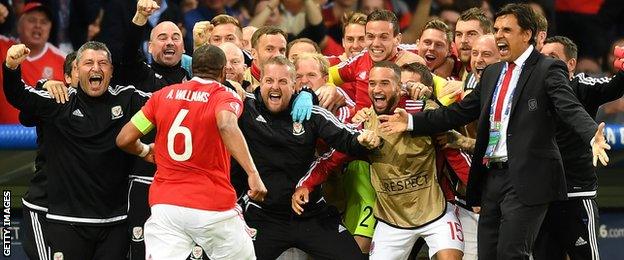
283 150
410 203
87 174
382 38
516 168
471 25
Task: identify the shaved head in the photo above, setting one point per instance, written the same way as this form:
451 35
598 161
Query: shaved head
166 45
235 62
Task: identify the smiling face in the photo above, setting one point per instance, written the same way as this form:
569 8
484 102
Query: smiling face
484 52
166 45
382 44
276 87
433 47
34 29
226 32
383 89
511 39
466 33
94 72
353 40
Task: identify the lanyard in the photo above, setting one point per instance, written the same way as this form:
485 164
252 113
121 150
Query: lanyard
496 125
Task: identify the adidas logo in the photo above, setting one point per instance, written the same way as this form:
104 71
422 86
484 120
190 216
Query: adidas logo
580 241
260 119
77 112
341 228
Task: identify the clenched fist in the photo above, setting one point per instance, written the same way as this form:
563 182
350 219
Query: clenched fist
201 33
15 55
145 8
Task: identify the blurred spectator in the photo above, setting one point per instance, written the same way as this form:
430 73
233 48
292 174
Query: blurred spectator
578 20
187 5
333 14
7 17
589 66
44 61
449 16
611 57
270 13
246 41
612 112
300 46
398 7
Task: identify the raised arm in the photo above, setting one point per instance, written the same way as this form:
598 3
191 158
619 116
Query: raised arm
25 98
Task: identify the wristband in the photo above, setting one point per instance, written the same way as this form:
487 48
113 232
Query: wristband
145 149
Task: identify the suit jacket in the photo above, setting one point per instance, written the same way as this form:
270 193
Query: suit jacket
542 92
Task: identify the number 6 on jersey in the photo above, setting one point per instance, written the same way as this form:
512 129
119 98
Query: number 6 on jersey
175 129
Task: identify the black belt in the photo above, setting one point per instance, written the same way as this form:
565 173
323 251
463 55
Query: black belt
497 165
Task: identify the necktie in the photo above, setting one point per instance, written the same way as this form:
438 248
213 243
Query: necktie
500 99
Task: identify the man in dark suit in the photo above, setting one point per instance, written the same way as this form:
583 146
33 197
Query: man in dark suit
517 168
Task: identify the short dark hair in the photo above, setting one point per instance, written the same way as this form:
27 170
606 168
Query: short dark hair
437 24
390 65
93 45
208 62
478 15
266 30
525 16
569 47
306 40
385 15
69 62
426 78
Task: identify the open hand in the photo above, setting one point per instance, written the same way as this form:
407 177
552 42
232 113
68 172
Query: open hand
599 146
396 123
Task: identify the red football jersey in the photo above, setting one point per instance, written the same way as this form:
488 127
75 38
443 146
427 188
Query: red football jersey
47 65
193 165
355 71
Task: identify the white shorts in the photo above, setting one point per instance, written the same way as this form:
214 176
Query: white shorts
396 243
172 231
469 222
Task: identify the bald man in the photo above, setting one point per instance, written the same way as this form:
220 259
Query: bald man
484 52
166 48
235 66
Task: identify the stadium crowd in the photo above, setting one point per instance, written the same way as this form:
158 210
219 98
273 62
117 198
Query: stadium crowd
296 129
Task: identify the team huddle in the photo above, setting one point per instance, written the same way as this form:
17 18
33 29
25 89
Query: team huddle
488 156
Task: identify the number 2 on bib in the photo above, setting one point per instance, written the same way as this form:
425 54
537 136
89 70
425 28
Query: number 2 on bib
176 129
